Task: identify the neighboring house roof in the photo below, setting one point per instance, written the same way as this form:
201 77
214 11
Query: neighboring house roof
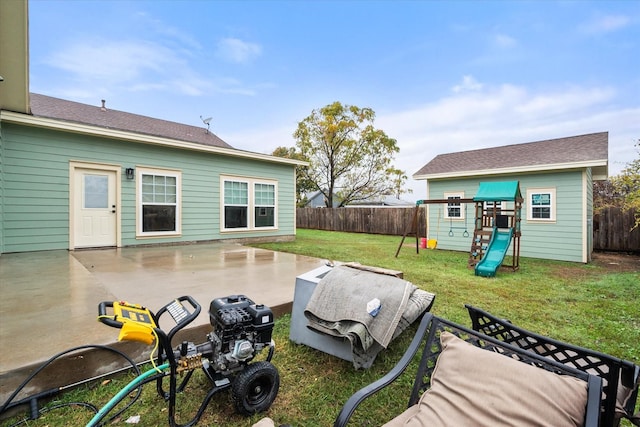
317 199
60 109
589 150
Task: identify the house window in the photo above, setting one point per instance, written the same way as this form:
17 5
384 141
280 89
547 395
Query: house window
158 211
541 205
453 209
248 204
236 204
265 205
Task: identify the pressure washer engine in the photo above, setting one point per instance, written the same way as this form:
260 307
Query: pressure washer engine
241 330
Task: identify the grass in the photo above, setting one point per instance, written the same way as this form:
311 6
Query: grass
584 304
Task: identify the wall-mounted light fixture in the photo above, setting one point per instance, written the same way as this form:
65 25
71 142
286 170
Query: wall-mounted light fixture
130 173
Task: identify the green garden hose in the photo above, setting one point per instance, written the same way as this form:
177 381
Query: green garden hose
129 387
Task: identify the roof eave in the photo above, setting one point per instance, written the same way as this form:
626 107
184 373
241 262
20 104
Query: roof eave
48 123
600 167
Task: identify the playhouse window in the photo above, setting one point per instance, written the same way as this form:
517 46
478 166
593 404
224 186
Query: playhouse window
493 207
541 205
158 210
453 209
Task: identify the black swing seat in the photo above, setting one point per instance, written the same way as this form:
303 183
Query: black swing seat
620 378
464 377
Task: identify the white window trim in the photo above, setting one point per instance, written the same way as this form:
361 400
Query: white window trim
139 217
252 203
529 207
447 195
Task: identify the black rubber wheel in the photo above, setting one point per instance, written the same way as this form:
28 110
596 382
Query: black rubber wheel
255 388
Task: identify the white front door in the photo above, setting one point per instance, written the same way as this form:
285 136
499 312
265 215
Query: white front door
95 213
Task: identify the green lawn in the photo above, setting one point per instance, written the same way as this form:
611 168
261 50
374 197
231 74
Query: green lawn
583 304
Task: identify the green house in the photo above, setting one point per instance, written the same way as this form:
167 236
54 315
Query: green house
556 180
84 176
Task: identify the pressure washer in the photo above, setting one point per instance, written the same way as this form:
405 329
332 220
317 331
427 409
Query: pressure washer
241 330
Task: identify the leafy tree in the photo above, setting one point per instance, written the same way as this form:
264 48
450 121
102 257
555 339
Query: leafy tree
627 184
622 191
399 179
303 184
348 157
606 195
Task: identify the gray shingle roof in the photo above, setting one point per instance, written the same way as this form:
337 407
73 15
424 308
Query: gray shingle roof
60 109
533 155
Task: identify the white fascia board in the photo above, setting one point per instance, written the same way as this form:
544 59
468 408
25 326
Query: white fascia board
84 129
515 170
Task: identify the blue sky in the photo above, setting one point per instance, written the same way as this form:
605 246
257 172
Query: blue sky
442 76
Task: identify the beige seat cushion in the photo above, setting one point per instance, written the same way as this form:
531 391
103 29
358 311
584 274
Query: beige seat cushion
476 387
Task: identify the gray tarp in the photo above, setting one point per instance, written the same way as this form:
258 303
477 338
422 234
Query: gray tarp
338 307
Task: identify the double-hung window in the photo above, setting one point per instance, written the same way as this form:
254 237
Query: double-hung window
236 204
265 205
248 204
158 209
542 204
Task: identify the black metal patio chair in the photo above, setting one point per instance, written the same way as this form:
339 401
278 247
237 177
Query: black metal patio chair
620 378
484 382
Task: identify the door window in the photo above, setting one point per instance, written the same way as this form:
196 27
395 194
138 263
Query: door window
96 192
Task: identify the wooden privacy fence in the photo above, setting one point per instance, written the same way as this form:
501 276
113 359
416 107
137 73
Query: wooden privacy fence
611 226
612 231
391 221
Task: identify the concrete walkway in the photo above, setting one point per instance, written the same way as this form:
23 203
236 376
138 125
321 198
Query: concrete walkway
50 299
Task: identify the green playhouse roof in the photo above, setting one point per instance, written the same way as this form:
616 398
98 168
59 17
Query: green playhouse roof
498 191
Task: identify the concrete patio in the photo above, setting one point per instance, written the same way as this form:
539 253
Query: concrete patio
50 299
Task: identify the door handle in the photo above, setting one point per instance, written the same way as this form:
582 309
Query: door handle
114 209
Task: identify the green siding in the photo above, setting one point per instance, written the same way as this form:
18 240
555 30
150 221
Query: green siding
560 240
35 187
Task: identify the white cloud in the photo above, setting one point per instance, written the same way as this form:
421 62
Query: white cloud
505 41
469 83
135 66
261 140
606 24
111 61
236 50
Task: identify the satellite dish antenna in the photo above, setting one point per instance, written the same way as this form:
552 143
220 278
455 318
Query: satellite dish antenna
206 121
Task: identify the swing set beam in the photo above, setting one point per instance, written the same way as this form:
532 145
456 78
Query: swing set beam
412 228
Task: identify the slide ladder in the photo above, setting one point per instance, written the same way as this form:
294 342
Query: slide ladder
495 253
479 245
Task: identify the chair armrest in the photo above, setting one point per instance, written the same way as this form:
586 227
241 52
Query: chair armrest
594 394
350 406
630 378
